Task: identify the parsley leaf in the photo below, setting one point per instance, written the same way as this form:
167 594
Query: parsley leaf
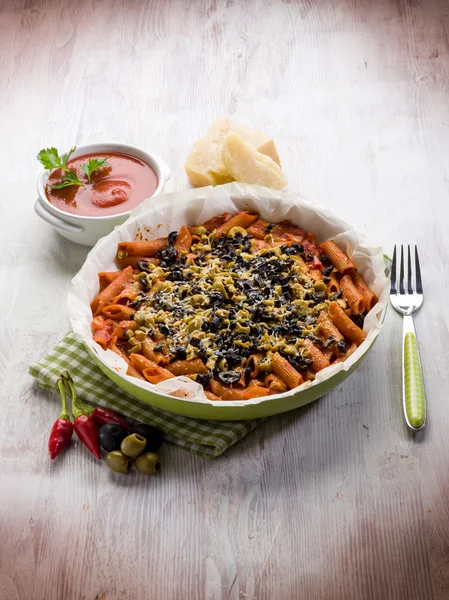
50 159
70 178
93 164
65 157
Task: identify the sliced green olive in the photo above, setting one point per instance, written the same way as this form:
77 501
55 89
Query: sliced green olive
118 462
148 463
133 445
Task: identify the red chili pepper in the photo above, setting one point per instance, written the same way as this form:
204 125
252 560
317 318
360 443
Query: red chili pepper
103 416
62 430
84 424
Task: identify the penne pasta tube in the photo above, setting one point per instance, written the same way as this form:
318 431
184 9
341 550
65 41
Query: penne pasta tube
258 229
353 295
131 371
149 353
226 392
187 367
319 359
141 362
107 277
111 291
370 297
147 248
213 223
131 261
118 311
283 369
338 258
156 374
345 325
211 396
333 286
275 383
119 331
253 364
241 219
353 347
183 242
326 328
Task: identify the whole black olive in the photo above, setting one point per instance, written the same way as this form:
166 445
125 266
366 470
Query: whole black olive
153 436
111 436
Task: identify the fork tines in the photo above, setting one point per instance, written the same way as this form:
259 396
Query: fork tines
418 287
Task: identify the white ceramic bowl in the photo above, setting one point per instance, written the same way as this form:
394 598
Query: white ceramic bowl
88 230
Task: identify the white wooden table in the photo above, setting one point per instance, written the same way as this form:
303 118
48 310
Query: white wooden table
334 501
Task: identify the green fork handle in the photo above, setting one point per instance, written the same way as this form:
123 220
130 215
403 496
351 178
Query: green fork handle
412 379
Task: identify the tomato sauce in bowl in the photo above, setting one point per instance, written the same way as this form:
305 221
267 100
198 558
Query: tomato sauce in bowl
113 189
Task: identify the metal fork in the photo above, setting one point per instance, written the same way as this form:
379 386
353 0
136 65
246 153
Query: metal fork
407 303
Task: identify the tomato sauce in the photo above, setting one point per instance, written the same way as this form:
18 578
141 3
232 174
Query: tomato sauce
112 190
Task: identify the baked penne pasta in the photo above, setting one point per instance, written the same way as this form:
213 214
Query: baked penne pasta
132 261
338 258
110 292
320 361
106 278
242 219
285 371
353 295
183 242
344 324
118 311
244 307
147 248
359 282
131 371
156 374
275 383
187 367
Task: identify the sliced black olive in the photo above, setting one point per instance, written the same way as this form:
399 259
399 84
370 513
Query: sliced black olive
168 255
342 346
214 324
172 237
164 329
143 280
328 270
358 320
330 340
142 265
326 280
180 352
325 259
216 298
268 228
204 378
315 340
229 377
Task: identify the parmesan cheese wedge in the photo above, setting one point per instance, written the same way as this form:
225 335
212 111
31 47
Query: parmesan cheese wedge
244 163
204 166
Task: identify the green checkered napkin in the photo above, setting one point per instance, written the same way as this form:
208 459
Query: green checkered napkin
205 438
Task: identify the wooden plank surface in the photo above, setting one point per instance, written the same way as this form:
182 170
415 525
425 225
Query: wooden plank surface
334 501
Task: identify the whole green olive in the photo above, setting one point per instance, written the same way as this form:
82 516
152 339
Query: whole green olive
133 445
148 463
118 462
